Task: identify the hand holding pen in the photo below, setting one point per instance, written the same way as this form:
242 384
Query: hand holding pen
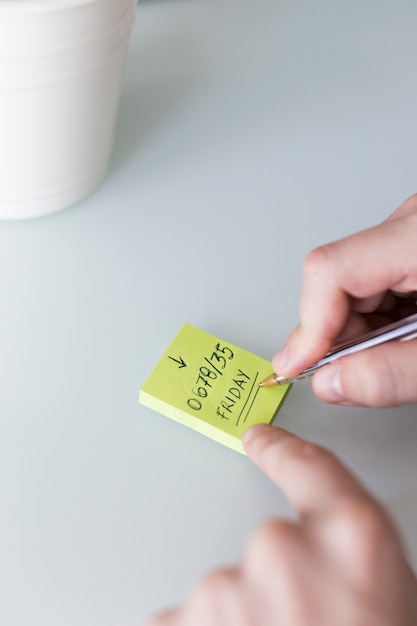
350 288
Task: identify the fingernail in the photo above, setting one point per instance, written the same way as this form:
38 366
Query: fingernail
328 384
253 432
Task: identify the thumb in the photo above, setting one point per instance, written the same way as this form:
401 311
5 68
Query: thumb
379 377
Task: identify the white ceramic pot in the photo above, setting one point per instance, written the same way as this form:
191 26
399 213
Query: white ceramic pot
61 70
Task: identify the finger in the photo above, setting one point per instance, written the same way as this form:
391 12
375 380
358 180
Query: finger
362 266
359 324
383 303
313 480
382 376
412 296
276 556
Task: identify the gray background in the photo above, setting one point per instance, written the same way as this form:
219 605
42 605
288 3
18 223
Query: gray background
249 133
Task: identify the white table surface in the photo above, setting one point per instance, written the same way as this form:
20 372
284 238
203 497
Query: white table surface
249 133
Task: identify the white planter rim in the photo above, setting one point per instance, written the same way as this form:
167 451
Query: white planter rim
32 7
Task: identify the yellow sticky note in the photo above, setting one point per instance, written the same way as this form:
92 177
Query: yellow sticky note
212 386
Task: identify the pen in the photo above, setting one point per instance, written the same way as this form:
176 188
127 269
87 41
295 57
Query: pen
401 330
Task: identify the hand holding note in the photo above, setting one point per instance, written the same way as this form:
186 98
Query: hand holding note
340 563
350 287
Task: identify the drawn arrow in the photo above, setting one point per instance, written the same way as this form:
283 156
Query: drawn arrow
180 361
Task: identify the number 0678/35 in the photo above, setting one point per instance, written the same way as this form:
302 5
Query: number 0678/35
207 375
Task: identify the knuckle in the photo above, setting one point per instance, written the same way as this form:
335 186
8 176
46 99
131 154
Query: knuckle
317 261
269 549
409 206
412 200
219 581
364 529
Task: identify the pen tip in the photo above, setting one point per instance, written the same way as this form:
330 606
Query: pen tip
269 381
